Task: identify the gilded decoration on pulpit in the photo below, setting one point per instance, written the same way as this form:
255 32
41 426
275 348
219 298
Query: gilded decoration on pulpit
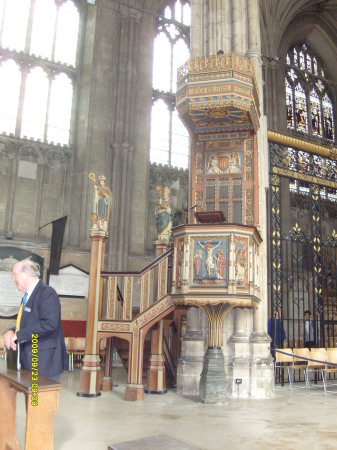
209 262
248 159
199 201
218 93
199 158
101 203
180 262
220 117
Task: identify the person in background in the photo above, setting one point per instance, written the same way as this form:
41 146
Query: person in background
309 330
276 331
39 318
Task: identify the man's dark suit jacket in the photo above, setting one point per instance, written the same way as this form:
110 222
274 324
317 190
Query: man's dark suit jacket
42 316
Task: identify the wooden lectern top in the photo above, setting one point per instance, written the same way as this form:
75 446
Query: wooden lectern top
210 216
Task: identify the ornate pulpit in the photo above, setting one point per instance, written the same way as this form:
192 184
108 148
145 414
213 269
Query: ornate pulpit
217 255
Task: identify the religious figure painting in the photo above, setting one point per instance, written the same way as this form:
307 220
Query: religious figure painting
241 266
224 163
209 262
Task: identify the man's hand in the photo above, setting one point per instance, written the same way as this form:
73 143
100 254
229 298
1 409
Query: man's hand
10 339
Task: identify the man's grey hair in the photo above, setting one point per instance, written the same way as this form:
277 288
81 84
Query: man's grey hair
31 267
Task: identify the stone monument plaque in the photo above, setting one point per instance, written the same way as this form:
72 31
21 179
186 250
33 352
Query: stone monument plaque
70 282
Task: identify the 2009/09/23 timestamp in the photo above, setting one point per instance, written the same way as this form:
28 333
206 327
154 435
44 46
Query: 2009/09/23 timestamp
35 369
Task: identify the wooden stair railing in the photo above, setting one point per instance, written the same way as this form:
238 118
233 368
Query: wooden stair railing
127 293
131 304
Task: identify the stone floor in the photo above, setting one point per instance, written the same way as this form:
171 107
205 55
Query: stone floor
291 420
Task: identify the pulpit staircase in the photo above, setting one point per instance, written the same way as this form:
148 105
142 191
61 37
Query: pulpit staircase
136 310
122 348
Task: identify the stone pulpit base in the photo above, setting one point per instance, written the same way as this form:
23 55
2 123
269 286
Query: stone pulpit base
213 378
191 356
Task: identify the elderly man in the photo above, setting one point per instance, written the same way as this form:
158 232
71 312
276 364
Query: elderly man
39 320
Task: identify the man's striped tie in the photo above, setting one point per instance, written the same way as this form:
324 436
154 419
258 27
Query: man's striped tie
24 300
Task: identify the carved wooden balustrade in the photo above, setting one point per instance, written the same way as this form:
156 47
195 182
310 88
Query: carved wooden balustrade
131 304
128 294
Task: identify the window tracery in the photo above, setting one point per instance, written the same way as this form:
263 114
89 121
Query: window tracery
38 50
169 138
309 111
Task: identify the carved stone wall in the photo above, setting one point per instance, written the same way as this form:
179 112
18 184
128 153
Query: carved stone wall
33 186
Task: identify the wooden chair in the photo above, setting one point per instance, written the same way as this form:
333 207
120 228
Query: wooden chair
76 349
283 359
66 341
315 364
330 368
79 350
70 348
301 356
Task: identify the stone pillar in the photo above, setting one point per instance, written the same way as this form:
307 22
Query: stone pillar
239 355
124 133
213 380
121 187
262 370
239 17
191 357
91 370
262 373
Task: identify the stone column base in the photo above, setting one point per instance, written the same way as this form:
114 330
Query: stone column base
238 378
190 364
213 378
262 367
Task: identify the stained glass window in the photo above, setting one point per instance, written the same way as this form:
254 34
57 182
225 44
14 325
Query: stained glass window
316 118
169 138
290 106
308 98
301 108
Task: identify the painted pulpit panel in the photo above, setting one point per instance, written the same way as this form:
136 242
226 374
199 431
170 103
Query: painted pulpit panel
209 266
241 262
223 163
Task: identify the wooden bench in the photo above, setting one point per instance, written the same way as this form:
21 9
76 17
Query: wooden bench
39 419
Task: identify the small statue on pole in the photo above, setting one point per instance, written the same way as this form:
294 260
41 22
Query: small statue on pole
101 203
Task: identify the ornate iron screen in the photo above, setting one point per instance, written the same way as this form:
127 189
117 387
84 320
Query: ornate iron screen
303 243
